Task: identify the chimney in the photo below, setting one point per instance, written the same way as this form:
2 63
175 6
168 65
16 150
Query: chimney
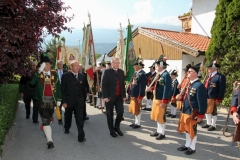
186 19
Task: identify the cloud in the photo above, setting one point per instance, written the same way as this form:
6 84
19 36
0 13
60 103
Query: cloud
170 20
108 14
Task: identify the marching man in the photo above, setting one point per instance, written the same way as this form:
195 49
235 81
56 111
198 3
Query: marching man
162 93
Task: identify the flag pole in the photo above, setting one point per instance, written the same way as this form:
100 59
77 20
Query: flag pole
98 85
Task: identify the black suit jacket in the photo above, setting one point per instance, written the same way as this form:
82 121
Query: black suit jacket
108 83
72 88
25 87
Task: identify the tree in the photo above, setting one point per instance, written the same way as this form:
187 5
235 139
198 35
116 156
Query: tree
98 55
225 42
24 24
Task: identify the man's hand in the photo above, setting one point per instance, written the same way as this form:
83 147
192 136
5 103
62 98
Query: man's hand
163 105
235 118
21 94
124 99
179 97
139 101
41 68
64 105
148 89
179 86
58 103
198 119
106 100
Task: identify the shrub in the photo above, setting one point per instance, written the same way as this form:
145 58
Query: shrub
8 105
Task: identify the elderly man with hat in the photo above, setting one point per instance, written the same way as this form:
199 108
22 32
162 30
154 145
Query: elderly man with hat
46 93
137 92
194 107
150 77
215 83
162 93
174 93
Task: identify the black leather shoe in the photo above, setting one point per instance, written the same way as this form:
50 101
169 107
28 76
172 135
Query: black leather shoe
50 145
154 134
136 126
119 132
113 134
149 109
60 122
36 122
189 151
206 126
169 115
83 140
86 118
131 125
173 116
27 116
145 109
122 118
160 136
66 131
211 128
183 148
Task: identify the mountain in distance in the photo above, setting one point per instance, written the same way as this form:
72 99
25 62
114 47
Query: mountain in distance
106 39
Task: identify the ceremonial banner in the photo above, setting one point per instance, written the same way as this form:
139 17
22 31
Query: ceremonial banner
71 54
130 56
120 50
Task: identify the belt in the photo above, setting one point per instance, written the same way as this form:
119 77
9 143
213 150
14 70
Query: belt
48 99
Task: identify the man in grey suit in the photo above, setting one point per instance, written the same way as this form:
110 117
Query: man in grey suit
114 94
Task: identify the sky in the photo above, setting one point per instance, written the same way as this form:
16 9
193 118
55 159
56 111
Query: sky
109 13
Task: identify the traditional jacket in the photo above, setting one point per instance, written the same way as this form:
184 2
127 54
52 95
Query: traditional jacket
39 80
162 87
138 85
175 90
198 98
150 77
234 105
216 87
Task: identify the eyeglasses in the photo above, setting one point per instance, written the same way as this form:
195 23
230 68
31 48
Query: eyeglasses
190 71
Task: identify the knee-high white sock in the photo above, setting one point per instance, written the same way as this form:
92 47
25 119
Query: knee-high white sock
208 118
171 110
98 102
159 128
193 143
48 132
214 120
138 119
163 129
188 140
148 103
103 103
174 110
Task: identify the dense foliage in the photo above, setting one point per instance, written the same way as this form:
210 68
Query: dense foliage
225 42
24 24
8 106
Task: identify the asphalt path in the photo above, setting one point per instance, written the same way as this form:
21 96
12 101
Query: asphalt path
25 140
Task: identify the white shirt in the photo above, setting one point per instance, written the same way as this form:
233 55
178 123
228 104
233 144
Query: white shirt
194 80
153 72
162 71
138 71
214 73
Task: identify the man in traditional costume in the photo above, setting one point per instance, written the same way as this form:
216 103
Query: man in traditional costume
162 93
137 87
46 93
215 83
174 93
194 108
150 76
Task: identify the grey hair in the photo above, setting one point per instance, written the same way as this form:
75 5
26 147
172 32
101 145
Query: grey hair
59 61
114 59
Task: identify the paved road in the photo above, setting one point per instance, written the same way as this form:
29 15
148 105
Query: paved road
25 141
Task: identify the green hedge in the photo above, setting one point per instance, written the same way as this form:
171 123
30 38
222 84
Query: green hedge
8 105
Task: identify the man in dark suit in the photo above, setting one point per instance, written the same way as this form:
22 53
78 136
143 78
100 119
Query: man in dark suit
27 93
86 93
73 91
114 94
60 71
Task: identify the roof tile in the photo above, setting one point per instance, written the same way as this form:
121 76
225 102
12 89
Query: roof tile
197 41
